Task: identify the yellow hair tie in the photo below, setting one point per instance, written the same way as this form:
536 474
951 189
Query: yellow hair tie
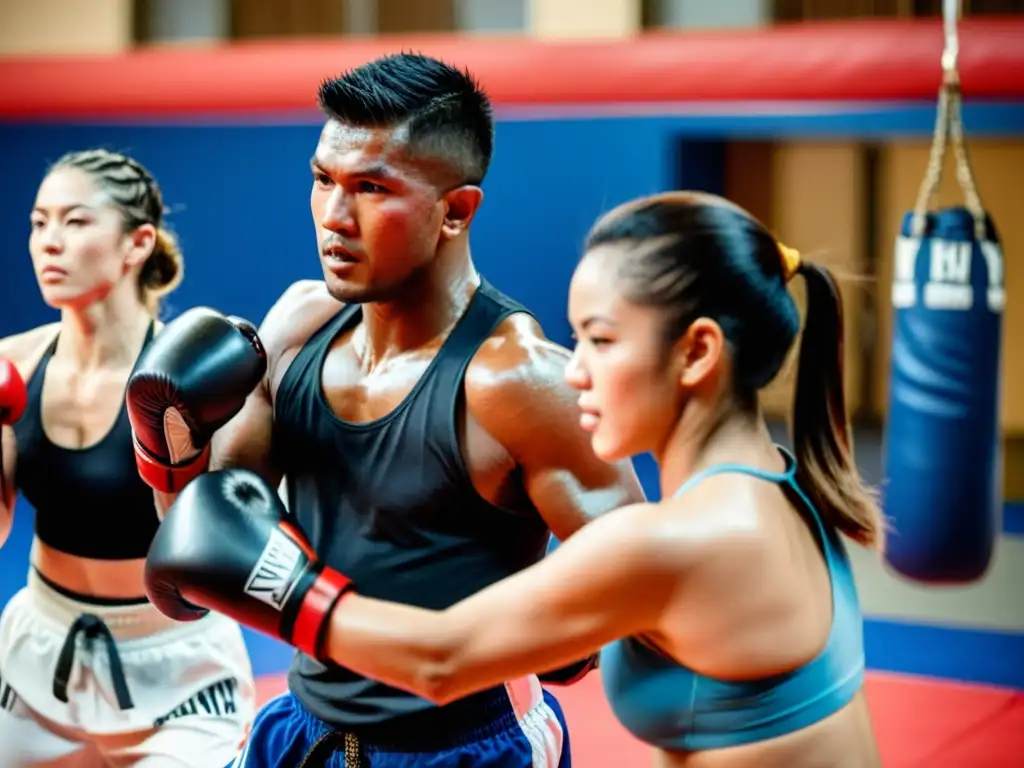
790 261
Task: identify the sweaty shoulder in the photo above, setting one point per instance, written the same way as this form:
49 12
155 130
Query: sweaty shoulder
516 381
26 349
296 315
725 525
723 511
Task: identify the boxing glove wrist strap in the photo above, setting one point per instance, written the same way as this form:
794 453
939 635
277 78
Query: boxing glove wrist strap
168 478
310 628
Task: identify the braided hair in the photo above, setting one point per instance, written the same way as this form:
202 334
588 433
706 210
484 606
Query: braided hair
135 192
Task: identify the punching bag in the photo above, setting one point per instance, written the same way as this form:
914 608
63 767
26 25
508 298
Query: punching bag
942 489
942 479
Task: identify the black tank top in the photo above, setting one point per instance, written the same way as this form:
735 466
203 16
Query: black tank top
89 502
390 503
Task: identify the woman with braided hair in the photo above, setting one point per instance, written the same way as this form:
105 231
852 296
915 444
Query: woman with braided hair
90 672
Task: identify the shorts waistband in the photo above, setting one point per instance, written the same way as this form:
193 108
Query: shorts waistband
125 622
88 599
462 722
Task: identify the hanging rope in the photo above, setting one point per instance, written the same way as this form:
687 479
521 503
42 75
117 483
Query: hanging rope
949 127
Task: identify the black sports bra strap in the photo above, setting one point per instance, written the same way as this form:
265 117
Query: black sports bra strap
39 372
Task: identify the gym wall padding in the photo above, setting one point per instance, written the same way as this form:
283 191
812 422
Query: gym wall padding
875 60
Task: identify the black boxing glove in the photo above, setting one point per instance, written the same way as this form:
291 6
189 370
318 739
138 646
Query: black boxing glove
192 379
227 544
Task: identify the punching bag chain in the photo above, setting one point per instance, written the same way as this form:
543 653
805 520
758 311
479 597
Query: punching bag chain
949 127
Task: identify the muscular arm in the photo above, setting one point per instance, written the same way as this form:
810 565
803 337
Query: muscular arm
520 396
611 580
246 440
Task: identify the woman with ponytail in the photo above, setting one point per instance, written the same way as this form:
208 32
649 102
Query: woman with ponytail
90 672
726 613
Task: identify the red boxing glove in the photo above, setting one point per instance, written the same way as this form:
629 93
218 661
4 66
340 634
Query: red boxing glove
227 544
13 395
13 398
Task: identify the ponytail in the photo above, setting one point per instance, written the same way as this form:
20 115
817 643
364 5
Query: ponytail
821 430
162 272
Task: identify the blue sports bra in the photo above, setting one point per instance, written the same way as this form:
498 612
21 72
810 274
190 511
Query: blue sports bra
669 706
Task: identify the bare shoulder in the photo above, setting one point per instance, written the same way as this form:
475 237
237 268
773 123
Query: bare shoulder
641 536
302 308
517 393
720 517
25 349
743 576
705 533
517 377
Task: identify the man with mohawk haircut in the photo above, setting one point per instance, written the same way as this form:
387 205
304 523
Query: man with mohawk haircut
420 418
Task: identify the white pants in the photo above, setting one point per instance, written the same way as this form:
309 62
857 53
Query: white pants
89 685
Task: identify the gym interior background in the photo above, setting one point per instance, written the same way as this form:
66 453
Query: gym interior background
217 98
